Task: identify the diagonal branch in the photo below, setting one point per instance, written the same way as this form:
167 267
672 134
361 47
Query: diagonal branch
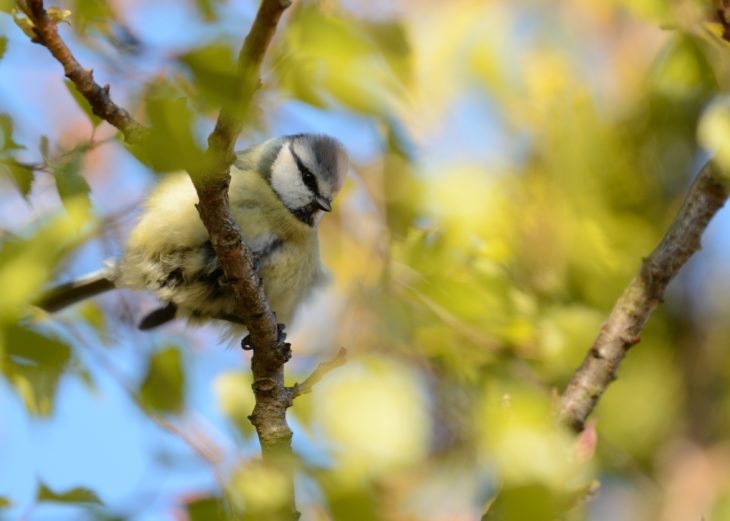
46 31
642 296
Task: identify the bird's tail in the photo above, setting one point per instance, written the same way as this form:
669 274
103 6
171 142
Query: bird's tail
72 292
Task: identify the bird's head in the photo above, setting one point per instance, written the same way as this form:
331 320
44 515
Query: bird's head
307 172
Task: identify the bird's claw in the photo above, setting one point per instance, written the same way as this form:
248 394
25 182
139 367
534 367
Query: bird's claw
247 345
280 333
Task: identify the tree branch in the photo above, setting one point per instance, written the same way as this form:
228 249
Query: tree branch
266 338
270 352
46 31
322 369
642 296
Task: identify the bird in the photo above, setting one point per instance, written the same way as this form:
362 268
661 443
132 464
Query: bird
279 191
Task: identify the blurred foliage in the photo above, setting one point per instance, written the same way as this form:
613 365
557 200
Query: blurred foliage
163 387
472 272
76 495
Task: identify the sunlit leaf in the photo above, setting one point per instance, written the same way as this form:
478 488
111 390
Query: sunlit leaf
235 398
684 69
58 15
21 175
3 46
258 489
163 387
206 509
93 314
70 182
214 69
350 503
517 503
207 10
34 364
375 408
24 24
362 65
171 144
6 134
714 131
74 495
26 264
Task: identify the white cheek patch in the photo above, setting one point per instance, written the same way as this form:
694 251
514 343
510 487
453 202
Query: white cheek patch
287 181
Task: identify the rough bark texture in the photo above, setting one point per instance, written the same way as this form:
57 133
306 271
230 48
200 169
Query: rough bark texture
642 296
270 353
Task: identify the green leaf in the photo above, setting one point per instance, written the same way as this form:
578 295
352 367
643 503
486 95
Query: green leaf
206 8
94 316
163 388
34 364
365 66
92 14
207 509
5 502
350 503
21 175
214 69
235 398
6 134
83 103
58 15
171 144
3 46
24 24
70 183
532 501
74 495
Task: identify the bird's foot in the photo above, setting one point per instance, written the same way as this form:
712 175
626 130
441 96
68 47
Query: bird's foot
283 348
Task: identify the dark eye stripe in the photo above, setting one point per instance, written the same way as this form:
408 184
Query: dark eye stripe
307 175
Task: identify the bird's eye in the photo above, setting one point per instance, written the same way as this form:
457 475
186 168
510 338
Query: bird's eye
307 175
308 178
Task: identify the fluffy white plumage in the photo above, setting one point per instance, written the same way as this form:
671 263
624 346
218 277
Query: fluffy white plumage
278 192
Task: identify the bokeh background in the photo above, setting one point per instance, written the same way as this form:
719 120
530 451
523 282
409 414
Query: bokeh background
512 164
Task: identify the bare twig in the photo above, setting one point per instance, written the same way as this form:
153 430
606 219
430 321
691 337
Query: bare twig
322 369
642 296
46 31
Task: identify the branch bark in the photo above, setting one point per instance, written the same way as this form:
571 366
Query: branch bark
642 296
270 352
46 31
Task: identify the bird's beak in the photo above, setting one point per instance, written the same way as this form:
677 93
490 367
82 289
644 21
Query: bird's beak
324 203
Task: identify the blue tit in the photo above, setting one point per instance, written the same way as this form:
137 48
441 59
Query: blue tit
278 193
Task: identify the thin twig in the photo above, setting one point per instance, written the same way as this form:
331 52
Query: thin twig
642 296
322 369
98 97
